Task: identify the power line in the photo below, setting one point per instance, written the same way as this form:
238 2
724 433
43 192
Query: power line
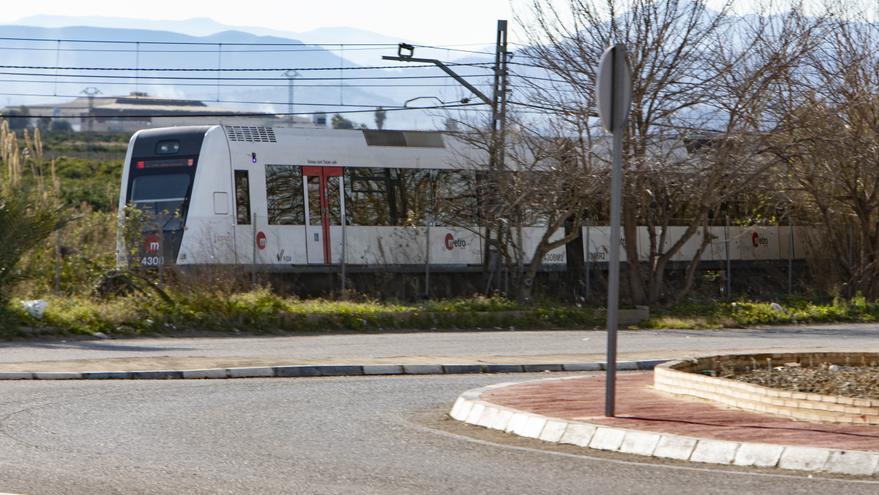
188 43
455 50
449 47
316 48
209 51
196 78
231 69
226 85
239 114
212 101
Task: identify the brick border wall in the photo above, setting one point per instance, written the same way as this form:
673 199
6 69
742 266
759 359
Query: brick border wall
685 378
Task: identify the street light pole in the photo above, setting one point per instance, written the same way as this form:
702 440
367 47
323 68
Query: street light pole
291 76
91 92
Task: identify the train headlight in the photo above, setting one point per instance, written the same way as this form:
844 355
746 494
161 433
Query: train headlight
167 147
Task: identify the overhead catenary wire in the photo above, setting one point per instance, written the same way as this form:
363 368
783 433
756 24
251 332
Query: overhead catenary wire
163 51
243 43
234 69
12 115
184 43
229 85
142 76
201 78
238 102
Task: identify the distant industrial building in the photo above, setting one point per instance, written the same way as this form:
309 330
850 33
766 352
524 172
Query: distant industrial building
138 110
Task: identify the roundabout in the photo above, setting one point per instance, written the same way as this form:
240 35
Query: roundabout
682 411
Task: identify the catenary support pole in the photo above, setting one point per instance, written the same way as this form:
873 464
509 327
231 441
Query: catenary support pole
498 103
790 256
588 265
726 248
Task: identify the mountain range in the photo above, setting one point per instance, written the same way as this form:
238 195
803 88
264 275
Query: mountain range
204 26
138 55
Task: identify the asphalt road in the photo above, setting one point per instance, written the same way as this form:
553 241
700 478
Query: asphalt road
324 435
451 346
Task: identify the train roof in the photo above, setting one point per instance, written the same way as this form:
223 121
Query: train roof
354 147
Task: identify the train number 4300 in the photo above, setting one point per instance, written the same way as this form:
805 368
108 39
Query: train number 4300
152 260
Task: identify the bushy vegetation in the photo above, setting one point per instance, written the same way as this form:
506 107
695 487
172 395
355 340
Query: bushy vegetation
262 311
29 210
752 313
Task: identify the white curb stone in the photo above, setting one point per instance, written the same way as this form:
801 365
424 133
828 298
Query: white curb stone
715 451
475 413
209 373
516 422
578 434
472 409
472 395
502 420
553 431
607 438
640 442
383 369
487 417
675 447
532 427
758 455
461 409
250 372
854 463
804 458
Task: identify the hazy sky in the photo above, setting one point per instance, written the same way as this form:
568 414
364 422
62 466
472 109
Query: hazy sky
443 21
421 21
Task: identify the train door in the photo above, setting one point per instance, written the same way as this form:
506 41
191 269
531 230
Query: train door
244 229
324 207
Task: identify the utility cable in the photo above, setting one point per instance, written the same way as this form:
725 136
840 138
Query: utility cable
240 114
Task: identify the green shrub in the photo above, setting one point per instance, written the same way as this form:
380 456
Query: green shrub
25 222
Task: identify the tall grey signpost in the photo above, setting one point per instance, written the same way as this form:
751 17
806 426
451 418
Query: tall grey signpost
613 90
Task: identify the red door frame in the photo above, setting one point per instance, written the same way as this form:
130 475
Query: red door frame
324 173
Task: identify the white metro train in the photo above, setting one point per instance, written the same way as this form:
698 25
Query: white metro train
288 199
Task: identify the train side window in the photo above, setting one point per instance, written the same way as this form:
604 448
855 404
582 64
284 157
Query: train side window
284 195
242 197
387 196
456 198
414 196
369 196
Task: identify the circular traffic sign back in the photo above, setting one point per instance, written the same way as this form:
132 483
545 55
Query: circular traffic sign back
613 88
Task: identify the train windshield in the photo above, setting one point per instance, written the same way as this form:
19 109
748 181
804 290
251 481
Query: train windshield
162 198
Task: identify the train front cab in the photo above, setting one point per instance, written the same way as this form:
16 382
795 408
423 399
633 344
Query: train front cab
157 187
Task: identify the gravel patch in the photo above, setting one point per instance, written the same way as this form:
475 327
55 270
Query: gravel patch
857 380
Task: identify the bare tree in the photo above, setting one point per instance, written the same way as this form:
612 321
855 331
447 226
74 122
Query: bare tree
547 185
699 76
828 148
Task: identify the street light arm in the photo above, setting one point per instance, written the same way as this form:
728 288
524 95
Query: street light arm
448 71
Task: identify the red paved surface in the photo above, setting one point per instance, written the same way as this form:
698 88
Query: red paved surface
639 407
